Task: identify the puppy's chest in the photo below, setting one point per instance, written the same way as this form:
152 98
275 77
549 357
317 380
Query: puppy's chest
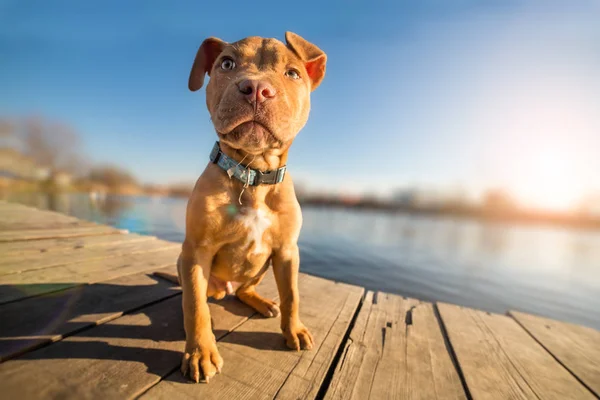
248 231
248 241
254 226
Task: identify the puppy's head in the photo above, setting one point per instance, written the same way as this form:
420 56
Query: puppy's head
258 95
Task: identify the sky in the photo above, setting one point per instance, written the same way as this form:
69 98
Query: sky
439 94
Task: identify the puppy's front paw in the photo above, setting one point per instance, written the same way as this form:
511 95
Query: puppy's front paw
297 337
201 361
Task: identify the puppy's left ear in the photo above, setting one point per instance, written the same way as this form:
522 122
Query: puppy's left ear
314 58
205 58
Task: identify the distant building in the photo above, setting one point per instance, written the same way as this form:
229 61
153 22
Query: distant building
62 179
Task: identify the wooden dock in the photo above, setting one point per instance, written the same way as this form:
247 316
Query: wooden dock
83 317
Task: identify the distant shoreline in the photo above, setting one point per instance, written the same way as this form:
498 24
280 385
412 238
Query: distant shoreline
480 213
512 216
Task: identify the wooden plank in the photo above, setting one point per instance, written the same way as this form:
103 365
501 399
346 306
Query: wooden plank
116 360
35 234
500 360
13 208
576 347
35 321
47 227
15 211
6 205
50 246
18 222
40 261
31 283
31 218
40 220
257 362
395 350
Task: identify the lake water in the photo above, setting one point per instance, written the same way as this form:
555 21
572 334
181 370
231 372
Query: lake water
549 271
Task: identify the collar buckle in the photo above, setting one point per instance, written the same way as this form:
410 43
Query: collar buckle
248 176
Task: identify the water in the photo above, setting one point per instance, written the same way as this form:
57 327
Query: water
549 271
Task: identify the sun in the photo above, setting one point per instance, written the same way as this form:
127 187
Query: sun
549 181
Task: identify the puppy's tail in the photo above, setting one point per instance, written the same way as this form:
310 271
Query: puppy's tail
168 277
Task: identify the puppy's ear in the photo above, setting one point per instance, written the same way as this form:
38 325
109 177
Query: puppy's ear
314 58
205 58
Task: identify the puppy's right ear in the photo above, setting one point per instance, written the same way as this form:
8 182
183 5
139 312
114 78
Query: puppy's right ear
205 58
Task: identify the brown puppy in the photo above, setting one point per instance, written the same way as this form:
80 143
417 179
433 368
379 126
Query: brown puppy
258 97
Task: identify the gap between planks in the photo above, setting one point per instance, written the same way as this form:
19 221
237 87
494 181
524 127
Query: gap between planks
99 361
575 347
33 322
500 359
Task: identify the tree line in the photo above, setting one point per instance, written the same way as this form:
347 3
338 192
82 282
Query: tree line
54 148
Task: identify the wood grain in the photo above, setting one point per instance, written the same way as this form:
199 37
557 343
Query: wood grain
17 217
60 245
120 359
40 320
18 235
500 360
257 362
111 330
395 350
20 264
31 283
576 347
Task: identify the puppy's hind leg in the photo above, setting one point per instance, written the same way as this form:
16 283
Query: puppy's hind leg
171 277
216 289
247 294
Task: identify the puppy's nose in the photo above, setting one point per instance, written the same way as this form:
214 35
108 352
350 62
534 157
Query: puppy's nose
256 91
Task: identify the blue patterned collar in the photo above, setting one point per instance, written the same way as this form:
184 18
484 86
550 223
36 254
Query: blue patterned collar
248 176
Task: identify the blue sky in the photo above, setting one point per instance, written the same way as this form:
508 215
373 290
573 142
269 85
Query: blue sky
444 94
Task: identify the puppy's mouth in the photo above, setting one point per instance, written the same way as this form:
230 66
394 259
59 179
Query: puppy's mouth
253 131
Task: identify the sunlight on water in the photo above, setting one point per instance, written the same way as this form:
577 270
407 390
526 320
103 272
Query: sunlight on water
545 270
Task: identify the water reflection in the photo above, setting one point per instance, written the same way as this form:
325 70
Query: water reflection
493 238
549 271
104 209
111 206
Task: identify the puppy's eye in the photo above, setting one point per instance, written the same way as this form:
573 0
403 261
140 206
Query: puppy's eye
227 64
292 73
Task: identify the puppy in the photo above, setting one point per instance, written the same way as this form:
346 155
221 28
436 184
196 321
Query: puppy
243 214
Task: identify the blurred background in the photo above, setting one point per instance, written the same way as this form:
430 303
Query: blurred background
452 152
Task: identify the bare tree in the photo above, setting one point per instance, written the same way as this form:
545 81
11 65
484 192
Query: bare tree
112 176
50 144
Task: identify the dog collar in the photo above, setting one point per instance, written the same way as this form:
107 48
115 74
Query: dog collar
248 176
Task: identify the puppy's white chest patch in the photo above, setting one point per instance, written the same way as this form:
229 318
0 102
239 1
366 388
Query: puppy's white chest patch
256 221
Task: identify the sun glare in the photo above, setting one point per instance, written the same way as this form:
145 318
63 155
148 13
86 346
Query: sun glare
550 181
